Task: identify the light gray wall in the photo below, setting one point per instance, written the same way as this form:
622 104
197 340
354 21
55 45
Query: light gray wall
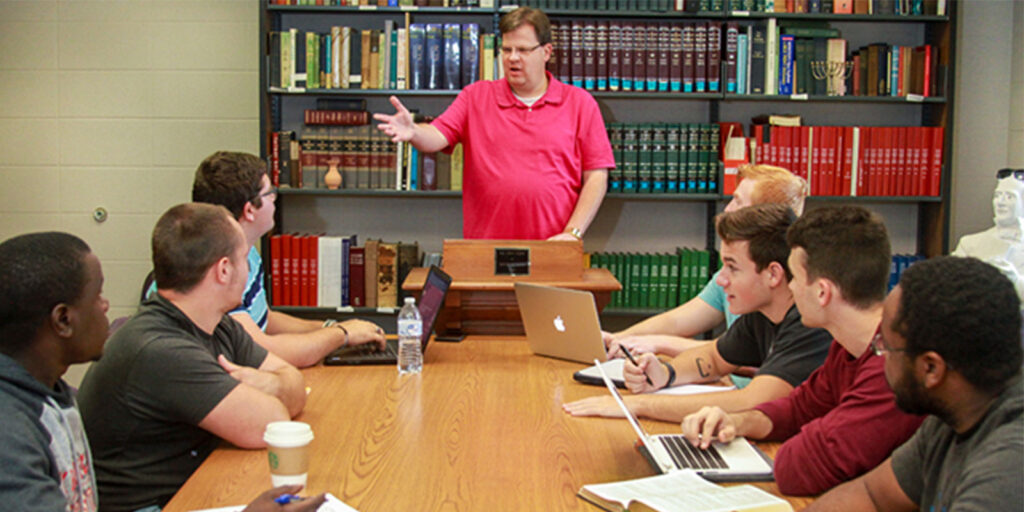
987 107
1015 140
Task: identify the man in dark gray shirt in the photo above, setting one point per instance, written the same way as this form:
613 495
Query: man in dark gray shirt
951 335
181 374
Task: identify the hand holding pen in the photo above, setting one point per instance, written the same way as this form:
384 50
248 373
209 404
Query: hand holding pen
284 499
645 374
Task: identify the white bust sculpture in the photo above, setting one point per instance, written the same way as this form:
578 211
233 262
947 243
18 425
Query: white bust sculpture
1002 245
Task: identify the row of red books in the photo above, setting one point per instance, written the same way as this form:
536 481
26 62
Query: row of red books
329 271
856 160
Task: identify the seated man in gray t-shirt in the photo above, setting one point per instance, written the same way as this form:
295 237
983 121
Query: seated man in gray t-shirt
182 375
951 335
769 333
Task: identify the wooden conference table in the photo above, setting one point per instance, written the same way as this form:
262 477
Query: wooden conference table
482 428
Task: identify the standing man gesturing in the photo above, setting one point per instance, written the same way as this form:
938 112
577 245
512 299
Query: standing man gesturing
536 150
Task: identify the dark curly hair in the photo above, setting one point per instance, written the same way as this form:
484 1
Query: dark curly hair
849 246
37 272
968 312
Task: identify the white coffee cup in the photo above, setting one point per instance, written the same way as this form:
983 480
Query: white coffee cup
288 451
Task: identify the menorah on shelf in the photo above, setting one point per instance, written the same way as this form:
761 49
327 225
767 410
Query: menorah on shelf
836 72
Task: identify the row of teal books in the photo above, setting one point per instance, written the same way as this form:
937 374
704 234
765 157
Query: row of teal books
664 158
863 7
655 280
623 5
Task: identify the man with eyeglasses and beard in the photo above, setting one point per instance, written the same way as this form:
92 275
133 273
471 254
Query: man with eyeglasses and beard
536 150
951 336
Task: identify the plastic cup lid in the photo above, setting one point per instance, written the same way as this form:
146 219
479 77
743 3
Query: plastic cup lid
288 434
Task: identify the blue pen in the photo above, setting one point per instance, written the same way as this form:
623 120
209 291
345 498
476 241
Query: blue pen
285 499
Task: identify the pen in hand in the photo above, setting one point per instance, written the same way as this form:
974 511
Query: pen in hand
632 360
285 499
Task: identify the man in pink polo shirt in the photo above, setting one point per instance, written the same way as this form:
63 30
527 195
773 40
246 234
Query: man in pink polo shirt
536 151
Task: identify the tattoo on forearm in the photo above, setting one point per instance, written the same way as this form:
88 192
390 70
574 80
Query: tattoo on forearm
701 370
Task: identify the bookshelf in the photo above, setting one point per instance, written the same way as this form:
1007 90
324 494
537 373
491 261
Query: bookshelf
626 221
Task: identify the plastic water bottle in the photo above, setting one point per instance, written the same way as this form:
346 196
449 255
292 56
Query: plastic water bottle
410 330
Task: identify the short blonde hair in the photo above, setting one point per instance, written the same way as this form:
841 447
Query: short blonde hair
776 185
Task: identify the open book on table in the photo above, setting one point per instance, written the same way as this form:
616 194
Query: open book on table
681 490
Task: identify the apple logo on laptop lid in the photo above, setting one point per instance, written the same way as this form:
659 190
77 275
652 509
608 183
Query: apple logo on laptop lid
559 323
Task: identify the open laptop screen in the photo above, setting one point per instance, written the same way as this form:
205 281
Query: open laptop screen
432 299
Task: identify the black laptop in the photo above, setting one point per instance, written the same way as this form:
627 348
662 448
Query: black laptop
431 300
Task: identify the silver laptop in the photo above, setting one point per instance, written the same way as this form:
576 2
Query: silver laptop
560 322
736 461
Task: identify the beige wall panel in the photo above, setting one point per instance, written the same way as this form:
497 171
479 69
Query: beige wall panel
29 142
170 186
105 46
122 238
28 93
186 143
106 142
28 10
106 94
162 10
212 46
119 190
205 94
13 224
30 189
123 282
28 45
204 10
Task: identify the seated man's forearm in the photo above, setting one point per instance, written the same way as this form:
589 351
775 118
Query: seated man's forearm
283 323
291 390
675 408
300 349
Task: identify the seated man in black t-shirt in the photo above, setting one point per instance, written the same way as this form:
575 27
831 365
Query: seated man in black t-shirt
181 374
769 334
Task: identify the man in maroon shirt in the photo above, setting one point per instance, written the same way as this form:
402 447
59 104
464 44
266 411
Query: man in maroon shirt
842 421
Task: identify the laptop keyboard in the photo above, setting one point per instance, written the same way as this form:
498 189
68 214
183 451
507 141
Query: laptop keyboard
371 351
367 351
685 455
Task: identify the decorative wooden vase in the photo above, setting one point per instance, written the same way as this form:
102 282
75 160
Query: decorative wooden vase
333 177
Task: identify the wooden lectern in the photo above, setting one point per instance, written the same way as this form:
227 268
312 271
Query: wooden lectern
482 297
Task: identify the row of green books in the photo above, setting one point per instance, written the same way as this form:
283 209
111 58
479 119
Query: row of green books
655 280
664 158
